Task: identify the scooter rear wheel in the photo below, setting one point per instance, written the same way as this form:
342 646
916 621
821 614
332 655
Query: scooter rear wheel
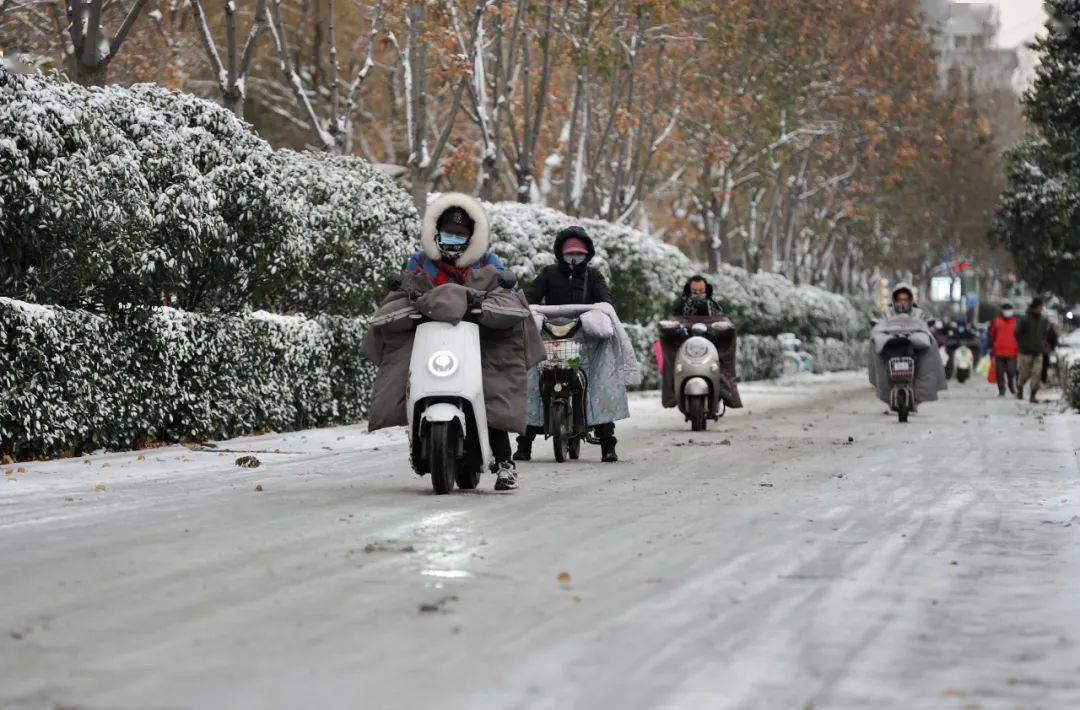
443 440
902 406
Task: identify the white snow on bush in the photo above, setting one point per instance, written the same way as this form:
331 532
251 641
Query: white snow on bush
112 195
644 272
646 275
76 380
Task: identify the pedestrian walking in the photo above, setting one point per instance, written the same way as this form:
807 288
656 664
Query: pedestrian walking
1032 334
1004 348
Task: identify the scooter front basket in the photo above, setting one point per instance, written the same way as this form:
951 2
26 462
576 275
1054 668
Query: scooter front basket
563 352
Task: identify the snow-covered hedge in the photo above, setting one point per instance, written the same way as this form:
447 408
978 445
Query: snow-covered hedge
759 357
647 274
769 304
360 229
1072 383
112 195
74 380
834 355
644 272
1068 354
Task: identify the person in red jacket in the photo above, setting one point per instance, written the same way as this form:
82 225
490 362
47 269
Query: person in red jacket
1004 348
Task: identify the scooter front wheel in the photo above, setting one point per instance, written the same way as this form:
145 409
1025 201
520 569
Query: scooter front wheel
573 447
560 435
696 411
443 446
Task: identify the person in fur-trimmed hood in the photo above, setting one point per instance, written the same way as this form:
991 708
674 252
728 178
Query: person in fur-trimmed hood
451 274
454 240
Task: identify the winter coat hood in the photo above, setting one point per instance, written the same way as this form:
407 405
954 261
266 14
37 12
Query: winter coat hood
903 286
890 310
481 236
563 235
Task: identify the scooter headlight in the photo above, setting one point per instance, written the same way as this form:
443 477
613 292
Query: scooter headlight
443 364
696 350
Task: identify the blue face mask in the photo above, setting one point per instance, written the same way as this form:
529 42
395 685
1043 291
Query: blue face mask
452 240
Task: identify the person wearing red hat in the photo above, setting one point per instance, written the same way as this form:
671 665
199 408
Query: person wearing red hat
570 281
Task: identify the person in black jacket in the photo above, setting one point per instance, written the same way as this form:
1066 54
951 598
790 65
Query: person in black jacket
570 280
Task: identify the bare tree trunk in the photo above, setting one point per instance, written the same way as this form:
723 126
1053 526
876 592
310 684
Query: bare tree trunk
93 49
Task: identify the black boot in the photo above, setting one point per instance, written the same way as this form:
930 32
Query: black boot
524 449
607 448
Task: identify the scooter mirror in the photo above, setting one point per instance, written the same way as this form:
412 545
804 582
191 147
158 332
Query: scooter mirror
508 279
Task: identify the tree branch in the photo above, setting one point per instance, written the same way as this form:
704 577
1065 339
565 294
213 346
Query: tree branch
122 33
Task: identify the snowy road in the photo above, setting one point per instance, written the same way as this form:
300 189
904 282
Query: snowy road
769 563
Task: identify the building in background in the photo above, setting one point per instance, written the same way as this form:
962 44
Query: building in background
964 44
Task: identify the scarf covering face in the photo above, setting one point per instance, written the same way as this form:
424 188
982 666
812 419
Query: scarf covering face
698 307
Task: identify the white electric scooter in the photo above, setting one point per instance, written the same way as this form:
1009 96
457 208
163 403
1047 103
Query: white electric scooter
446 412
963 363
697 373
447 416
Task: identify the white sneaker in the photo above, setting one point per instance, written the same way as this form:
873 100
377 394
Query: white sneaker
505 476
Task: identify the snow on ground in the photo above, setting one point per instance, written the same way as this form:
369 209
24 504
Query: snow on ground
807 551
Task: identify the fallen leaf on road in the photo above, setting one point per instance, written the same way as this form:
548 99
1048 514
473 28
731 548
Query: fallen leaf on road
248 462
954 563
141 458
766 485
563 577
951 693
106 465
1064 499
258 488
100 488
436 606
21 469
389 546
69 498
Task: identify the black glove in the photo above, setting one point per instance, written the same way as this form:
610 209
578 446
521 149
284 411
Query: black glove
475 300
